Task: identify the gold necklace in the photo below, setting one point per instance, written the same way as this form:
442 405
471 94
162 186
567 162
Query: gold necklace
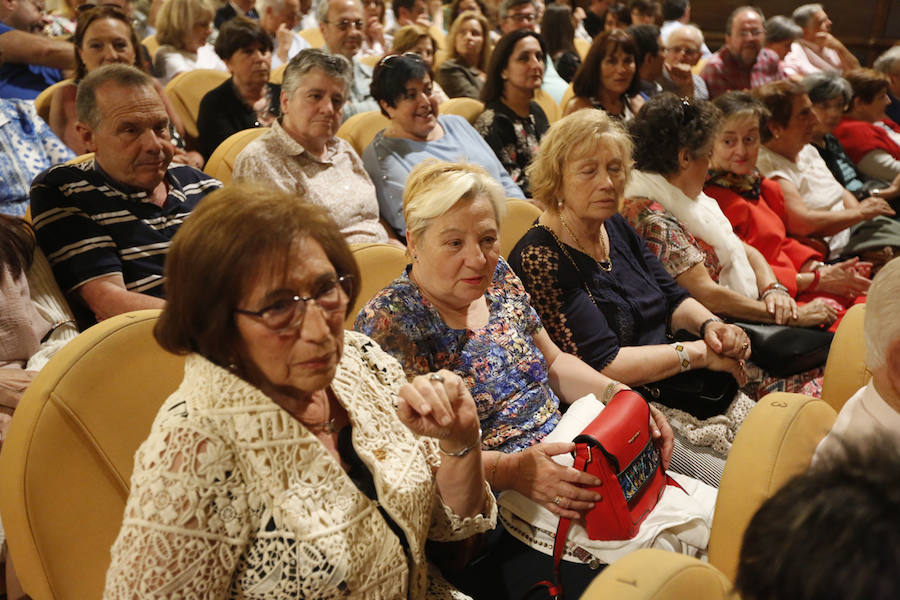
606 265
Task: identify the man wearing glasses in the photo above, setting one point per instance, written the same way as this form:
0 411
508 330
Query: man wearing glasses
683 47
742 63
29 61
341 23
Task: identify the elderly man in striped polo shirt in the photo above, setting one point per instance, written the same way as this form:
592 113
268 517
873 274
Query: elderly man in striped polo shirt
106 224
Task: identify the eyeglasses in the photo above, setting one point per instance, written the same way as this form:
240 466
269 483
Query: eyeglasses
683 50
89 5
388 60
345 24
287 313
523 17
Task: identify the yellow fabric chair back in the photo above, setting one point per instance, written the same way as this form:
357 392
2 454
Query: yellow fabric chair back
80 158
221 162
276 75
360 129
379 264
845 370
186 91
548 105
652 574
582 47
43 100
567 96
66 465
520 214
775 442
151 44
313 35
468 108
370 60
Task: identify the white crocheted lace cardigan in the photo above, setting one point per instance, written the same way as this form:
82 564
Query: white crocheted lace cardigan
231 497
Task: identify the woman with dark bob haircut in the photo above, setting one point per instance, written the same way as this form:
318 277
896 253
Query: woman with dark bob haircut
664 202
512 122
247 99
294 460
401 84
608 78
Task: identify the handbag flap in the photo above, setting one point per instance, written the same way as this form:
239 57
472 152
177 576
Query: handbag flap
623 426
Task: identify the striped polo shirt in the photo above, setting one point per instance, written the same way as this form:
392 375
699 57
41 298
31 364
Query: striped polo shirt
90 226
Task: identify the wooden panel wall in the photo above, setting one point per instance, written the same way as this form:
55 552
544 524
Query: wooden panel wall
866 27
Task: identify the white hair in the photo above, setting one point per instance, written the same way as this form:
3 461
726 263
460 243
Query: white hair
882 326
889 62
323 6
802 14
690 26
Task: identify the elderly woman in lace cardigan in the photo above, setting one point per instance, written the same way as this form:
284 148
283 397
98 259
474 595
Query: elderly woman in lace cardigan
295 460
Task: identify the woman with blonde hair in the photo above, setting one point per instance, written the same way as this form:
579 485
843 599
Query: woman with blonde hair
417 39
183 28
463 73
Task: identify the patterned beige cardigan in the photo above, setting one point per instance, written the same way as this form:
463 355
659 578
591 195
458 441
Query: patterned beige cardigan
232 497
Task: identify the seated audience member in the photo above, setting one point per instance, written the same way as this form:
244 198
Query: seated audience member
183 28
649 58
29 61
889 64
462 74
675 14
105 225
558 31
246 99
618 16
741 63
608 78
596 14
682 50
341 23
302 155
781 33
402 86
875 408
376 42
831 532
816 50
34 317
27 147
457 285
870 138
410 12
512 122
458 7
104 35
235 8
417 39
279 18
830 94
816 204
645 12
300 461
754 206
604 297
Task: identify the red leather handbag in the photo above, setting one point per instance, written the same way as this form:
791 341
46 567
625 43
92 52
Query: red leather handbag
618 448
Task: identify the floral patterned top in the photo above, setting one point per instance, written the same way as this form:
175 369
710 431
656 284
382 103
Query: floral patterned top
513 139
505 371
668 239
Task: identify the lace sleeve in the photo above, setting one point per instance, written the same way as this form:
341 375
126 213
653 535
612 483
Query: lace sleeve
186 520
447 526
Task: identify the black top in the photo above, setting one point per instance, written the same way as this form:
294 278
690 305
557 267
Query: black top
222 113
843 169
634 300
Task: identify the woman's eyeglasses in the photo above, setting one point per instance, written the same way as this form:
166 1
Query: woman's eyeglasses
288 313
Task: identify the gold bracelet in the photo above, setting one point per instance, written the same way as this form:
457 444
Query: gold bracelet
462 451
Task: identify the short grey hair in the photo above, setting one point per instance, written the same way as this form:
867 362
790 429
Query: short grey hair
889 62
508 5
122 75
781 29
691 27
332 65
324 6
882 327
802 14
825 85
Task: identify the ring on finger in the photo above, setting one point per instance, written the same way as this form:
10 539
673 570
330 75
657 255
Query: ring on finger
436 377
745 346
557 501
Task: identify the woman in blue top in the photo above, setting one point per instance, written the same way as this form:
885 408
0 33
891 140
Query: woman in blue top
402 87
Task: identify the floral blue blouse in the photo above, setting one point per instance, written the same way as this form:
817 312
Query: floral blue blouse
505 371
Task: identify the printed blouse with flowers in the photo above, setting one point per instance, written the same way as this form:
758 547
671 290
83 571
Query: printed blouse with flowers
505 371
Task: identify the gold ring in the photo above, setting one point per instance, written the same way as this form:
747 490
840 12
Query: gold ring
746 345
557 501
436 377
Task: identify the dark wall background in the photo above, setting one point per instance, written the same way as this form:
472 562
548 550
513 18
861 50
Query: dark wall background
866 27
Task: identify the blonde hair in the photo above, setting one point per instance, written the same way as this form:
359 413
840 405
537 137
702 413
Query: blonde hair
433 187
406 38
486 46
176 18
572 137
882 327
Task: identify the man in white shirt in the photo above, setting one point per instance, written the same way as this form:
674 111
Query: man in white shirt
341 23
817 50
278 18
876 407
